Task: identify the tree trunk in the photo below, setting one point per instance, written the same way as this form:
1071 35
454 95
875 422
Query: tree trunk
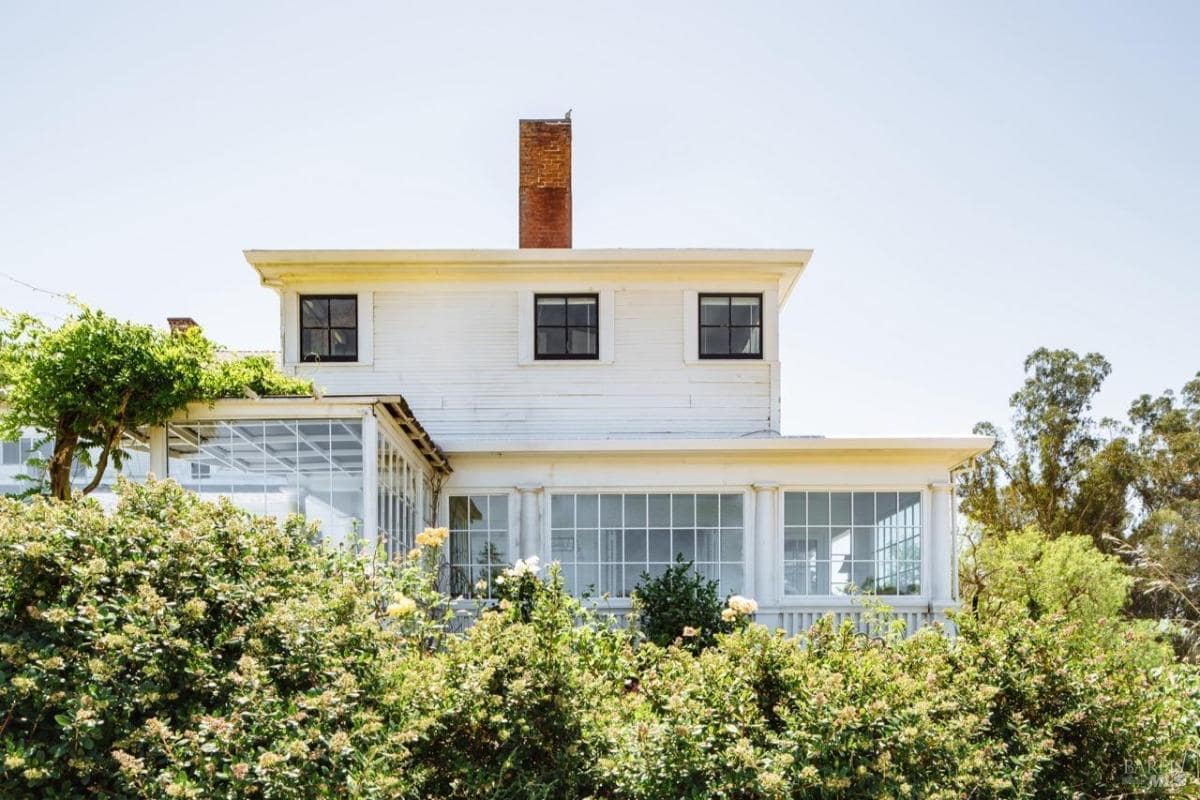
65 442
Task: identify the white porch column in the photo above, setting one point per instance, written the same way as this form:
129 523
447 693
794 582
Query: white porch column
765 559
530 539
370 439
940 546
158 451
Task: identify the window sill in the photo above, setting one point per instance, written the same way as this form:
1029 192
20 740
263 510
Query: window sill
564 362
729 362
295 364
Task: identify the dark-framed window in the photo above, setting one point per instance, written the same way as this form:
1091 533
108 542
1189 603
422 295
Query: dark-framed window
328 327
731 326
566 326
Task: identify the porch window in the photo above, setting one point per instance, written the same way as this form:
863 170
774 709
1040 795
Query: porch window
844 542
276 467
566 326
605 542
478 543
399 511
329 327
731 326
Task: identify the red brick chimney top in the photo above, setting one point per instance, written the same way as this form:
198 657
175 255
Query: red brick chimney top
181 324
544 185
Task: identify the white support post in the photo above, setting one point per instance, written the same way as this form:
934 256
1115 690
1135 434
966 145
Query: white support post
370 438
940 547
765 558
529 542
158 451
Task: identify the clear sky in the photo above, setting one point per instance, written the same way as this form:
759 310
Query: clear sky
976 180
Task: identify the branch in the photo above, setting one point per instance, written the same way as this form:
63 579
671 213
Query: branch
114 436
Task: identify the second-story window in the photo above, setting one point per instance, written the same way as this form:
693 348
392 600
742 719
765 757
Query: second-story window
329 327
566 326
731 326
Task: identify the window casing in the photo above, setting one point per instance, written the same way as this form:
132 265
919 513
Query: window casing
478 543
837 543
731 326
604 542
566 326
328 327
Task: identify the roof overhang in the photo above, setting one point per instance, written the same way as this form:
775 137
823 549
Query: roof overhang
952 450
278 267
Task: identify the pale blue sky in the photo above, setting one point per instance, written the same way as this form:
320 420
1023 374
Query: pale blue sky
975 181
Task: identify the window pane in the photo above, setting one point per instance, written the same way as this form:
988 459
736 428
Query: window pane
581 311
562 511
683 543
610 510
839 508
818 508
458 513
635 510
793 508
343 342
910 508
314 313
581 341
864 508
660 544
744 341
683 510
314 342
562 546
731 510
551 341
864 543
477 513
635 546
745 311
498 512
714 310
714 341
551 311
343 312
885 508
587 508
587 545
706 511
660 509
731 546
587 579
706 545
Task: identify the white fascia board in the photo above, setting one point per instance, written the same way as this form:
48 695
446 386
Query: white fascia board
276 267
967 445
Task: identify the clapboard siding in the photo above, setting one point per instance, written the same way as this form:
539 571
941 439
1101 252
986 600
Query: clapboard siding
452 351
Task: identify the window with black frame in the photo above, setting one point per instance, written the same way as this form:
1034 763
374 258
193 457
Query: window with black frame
566 326
731 326
328 327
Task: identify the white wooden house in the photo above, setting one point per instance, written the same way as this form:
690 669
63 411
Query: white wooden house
604 409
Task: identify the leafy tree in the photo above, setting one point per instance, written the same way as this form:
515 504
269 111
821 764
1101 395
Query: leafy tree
1164 546
1059 473
93 380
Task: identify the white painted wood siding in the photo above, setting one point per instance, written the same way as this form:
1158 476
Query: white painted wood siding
452 350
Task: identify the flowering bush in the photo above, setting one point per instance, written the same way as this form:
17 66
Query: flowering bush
180 649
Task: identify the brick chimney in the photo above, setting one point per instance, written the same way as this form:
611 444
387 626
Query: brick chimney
545 182
181 324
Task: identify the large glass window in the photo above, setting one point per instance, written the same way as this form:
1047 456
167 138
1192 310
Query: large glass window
329 327
478 543
277 467
566 326
731 326
605 542
399 505
843 542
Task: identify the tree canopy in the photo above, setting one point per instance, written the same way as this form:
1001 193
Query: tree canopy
94 379
1133 486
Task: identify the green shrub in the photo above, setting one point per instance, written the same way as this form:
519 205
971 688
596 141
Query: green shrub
178 648
680 604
